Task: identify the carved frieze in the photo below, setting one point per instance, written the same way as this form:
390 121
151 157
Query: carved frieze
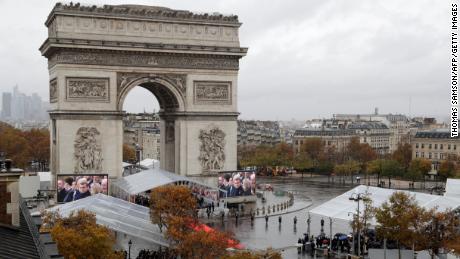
125 58
212 92
177 80
53 91
82 89
212 149
88 151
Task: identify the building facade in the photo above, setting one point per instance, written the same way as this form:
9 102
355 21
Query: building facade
258 133
338 138
374 133
143 130
435 146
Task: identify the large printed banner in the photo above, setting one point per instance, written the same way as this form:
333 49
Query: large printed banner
72 187
237 183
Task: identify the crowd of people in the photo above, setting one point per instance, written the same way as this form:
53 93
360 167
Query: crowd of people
72 188
204 193
152 254
237 184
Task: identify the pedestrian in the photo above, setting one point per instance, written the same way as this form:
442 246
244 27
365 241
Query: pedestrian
212 206
252 217
295 220
266 219
279 219
236 215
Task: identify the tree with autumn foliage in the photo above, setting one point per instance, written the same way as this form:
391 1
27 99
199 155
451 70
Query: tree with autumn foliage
346 169
190 240
284 154
174 207
313 148
361 152
129 153
171 201
25 146
400 219
392 168
363 220
448 169
418 168
440 231
403 154
79 236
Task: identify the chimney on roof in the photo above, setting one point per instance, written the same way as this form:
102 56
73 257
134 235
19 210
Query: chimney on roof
9 194
9 199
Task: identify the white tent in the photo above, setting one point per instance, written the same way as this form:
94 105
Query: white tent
452 188
149 163
147 180
118 215
124 164
340 206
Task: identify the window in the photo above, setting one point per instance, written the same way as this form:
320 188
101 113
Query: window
435 146
423 154
435 155
416 145
429 146
448 146
429 155
440 146
416 154
423 145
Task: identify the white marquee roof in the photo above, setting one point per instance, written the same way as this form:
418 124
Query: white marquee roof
118 215
452 188
340 206
150 179
124 164
149 162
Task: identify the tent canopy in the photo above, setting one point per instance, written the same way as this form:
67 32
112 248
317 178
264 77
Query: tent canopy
149 163
340 206
124 164
452 188
118 215
150 179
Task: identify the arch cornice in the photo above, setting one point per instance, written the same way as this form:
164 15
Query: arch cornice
165 86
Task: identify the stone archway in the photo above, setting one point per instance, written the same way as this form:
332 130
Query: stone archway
188 61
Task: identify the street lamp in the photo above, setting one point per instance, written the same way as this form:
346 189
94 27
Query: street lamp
357 197
138 154
129 248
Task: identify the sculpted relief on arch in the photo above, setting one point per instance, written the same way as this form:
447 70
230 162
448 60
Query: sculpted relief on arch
177 80
212 154
88 151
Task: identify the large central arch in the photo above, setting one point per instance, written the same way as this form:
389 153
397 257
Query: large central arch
190 62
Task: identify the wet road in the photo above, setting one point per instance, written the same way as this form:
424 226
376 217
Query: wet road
261 236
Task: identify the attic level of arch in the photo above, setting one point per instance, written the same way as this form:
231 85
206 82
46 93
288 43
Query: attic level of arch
114 57
51 44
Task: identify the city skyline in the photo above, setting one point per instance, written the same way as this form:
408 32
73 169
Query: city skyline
315 59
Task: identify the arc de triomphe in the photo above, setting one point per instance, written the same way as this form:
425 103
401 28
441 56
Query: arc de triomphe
190 62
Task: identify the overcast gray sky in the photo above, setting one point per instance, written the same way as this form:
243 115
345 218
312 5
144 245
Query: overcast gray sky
306 59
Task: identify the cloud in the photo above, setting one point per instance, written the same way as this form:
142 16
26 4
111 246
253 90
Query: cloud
306 58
